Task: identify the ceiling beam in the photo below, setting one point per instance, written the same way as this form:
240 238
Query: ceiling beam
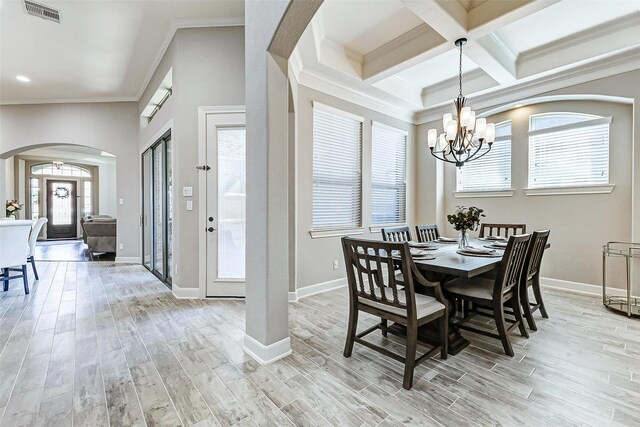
411 48
492 15
448 18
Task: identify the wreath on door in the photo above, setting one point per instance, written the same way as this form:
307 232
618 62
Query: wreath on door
61 192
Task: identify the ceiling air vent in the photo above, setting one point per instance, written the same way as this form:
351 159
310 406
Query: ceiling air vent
41 11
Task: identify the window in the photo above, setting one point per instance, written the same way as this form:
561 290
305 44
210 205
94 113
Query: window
568 149
493 171
60 169
337 186
88 204
388 175
34 189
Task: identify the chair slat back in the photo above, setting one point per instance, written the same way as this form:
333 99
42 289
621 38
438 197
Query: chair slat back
396 234
14 238
534 254
504 230
427 233
512 265
371 271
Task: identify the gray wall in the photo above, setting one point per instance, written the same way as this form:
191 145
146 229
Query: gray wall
109 126
208 70
579 224
315 256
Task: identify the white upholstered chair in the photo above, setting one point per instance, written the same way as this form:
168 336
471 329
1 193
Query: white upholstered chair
33 238
14 243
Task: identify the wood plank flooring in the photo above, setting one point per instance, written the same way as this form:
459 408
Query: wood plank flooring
67 250
103 344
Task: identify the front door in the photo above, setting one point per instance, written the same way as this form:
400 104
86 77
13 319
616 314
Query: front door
62 208
226 204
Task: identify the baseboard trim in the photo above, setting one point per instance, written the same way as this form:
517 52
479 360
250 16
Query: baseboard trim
318 288
578 287
267 353
185 293
293 296
128 260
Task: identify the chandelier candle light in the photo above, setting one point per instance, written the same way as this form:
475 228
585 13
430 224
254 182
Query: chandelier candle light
464 135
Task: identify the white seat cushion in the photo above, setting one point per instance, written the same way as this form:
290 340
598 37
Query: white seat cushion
425 305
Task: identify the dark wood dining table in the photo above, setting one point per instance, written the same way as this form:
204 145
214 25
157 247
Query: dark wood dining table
447 265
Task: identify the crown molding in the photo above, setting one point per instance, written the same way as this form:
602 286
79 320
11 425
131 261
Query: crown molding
68 101
321 83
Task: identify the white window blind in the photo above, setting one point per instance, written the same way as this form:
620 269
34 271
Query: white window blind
493 170
337 182
574 153
388 175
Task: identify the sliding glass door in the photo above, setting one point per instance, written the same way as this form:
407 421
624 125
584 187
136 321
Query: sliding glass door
157 208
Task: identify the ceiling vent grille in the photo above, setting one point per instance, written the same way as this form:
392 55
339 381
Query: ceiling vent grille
41 11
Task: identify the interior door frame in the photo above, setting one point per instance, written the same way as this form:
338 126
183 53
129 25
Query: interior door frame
75 222
203 112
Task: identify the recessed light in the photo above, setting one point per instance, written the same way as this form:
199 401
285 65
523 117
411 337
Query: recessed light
519 105
23 79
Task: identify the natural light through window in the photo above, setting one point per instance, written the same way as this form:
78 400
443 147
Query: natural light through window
388 175
568 149
493 171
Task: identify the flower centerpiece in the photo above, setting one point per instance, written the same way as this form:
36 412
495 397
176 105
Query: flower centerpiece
465 219
12 208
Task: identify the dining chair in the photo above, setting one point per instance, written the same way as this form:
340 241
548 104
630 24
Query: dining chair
504 230
427 233
14 236
33 238
494 294
373 289
396 234
531 278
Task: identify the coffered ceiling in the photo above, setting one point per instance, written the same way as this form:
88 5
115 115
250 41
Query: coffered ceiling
398 56
102 50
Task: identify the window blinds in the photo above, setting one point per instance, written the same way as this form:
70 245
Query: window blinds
493 171
570 155
337 182
388 175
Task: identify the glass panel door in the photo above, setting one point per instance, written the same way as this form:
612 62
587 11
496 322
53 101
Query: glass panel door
232 182
62 209
157 209
158 215
147 215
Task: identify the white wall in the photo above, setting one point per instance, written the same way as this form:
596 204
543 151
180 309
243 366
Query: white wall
107 191
208 70
315 257
109 126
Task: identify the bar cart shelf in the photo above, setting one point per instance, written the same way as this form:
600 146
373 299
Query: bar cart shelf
626 304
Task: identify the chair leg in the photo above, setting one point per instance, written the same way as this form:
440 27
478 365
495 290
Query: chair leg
33 266
5 279
383 325
517 312
538 294
526 308
351 331
25 279
410 357
444 336
498 313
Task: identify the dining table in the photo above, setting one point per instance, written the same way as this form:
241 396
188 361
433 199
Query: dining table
448 264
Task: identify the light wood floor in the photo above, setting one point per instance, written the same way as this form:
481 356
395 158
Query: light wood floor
67 250
99 344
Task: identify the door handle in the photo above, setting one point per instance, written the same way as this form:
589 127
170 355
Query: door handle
211 229
210 219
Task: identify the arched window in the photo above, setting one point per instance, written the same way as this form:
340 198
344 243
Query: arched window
568 149
60 169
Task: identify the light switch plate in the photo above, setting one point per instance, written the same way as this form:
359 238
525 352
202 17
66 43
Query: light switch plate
122 201
187 191
189 205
